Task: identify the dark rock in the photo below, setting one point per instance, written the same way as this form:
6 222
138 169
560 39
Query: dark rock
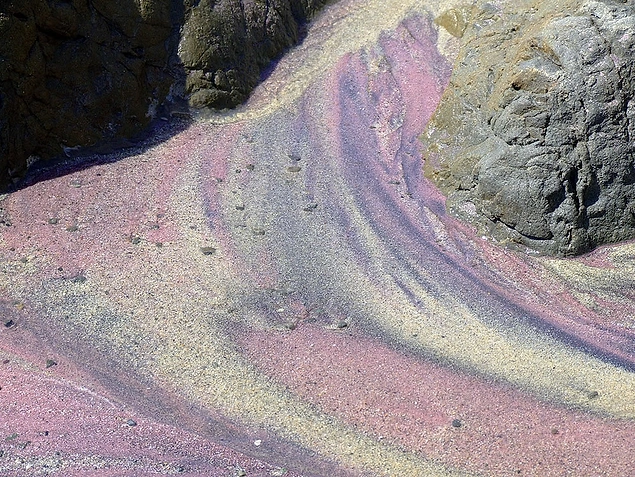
78 72
81 72
534 140
226 44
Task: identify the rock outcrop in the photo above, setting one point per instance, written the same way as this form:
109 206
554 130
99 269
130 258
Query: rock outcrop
534 140
226 44
76 72
79 72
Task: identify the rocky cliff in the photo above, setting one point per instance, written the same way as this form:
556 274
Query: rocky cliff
225 44
80 72
534 139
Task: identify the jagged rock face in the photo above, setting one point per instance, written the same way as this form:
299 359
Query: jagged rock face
80 72
75 72
534 139
226 43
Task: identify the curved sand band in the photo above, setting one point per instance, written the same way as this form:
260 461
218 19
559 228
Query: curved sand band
277 289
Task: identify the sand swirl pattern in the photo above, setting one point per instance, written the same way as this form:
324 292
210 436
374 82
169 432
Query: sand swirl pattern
278 291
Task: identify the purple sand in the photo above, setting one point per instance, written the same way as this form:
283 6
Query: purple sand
336 278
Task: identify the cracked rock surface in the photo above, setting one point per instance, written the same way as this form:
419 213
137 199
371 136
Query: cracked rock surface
76 73
226 44
534 139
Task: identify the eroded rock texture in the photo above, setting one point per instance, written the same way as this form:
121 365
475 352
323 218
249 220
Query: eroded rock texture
534 139
226 44
80 72
76 72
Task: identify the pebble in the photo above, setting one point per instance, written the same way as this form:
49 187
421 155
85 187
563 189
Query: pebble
131 422
457 423
294 168
208 250
180 114
50 363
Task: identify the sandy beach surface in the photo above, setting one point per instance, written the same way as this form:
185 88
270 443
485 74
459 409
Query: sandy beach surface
277 290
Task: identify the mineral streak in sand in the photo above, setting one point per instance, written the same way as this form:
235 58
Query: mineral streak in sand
344 324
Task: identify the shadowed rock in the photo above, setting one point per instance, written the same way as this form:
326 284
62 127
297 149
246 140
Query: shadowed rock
226 44
533 140
76 73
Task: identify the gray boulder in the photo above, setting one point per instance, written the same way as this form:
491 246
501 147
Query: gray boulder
534 140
